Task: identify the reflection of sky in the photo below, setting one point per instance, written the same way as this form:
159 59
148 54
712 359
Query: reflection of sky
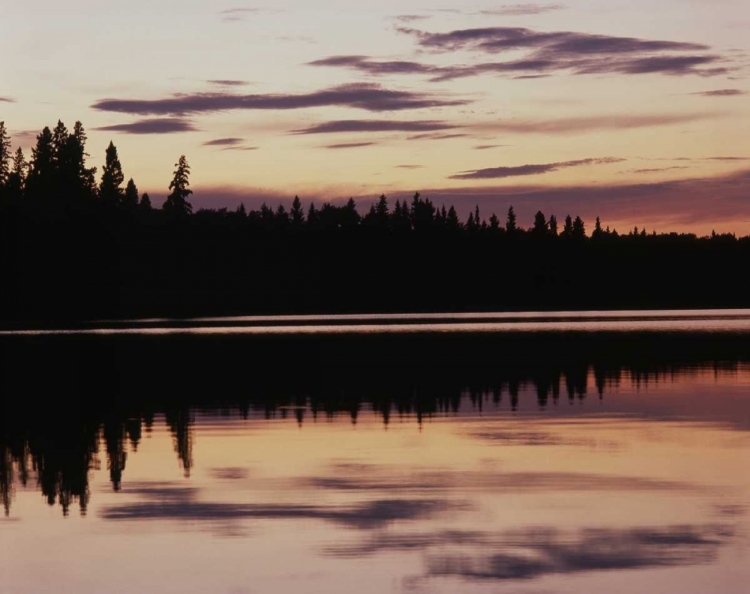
645 490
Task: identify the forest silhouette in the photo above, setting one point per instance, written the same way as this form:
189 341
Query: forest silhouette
75 404
76 245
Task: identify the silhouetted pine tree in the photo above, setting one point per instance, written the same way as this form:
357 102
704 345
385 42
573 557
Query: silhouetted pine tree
40 182
540 228
177 203
4 155
510 224
145 204
553 225
130 200
17 177
112 177
297 215
567 232
598 232
312 215
579 229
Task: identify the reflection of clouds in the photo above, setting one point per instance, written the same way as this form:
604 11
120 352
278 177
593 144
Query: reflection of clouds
536 438
229 474
384 479
534 553
182 504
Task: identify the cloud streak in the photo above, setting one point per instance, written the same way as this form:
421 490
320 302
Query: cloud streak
228 82
349 145
223 142
535 169
546 53
523 9
156 126
595 123
7 100
368 97
722 93
351 126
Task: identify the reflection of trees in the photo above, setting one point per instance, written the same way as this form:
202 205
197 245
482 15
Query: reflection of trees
57 444
180 421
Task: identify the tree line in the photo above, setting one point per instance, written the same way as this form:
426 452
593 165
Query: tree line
57 176
77 244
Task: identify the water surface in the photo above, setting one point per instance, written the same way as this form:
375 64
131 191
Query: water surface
565 459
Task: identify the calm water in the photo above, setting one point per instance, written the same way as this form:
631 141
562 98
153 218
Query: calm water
531 453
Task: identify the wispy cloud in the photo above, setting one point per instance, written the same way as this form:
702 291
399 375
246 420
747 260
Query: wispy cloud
368 97
349 145
535 169
228 82
409 166
558 51
522 9
237 14
223 142
436 136
657 169
594 123
7 100
541 65
339 126
160 126
410 18
722 93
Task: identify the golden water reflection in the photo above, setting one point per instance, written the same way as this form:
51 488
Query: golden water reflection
642 488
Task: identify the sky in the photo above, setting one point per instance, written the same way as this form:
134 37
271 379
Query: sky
633 110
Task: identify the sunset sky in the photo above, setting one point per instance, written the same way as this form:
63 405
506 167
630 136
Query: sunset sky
634 110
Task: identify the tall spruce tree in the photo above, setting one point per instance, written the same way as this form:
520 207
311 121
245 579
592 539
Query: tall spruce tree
553 225
17 177
40 182
110 188
5 155
177 202
297 214
130 200
511 225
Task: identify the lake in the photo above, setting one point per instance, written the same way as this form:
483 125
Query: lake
523 453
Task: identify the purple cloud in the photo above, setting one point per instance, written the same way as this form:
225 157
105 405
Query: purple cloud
522 9
7 100
349 145
593 123
228 82
522 170
361 96
578 53
339 126
435 136
657 169
223 142
722 93
161 126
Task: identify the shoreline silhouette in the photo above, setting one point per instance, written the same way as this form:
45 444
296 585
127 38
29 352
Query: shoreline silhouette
74 249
